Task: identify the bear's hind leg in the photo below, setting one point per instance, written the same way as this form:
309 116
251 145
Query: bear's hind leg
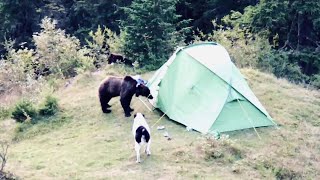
104 104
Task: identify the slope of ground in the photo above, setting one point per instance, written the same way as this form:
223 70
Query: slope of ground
93 145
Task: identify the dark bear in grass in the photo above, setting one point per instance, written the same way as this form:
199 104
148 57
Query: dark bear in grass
125 88
118 58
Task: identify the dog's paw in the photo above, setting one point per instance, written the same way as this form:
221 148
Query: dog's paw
148 153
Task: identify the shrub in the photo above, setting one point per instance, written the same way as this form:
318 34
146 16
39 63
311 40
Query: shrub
4 112
280 63
50 106
315 81
47 118
266 164
59 52
115 42
284 173
98 46
23 110
151 32
245 48
16 69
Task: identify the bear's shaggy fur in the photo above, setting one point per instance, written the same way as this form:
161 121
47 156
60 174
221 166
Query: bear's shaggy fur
117 58
125 88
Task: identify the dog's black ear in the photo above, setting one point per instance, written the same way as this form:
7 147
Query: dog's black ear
135 116
143 115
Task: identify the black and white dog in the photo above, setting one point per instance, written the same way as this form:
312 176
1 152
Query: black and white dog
141 133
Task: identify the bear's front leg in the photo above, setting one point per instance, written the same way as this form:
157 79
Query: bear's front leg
126 106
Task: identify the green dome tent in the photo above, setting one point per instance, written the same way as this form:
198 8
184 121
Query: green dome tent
201 88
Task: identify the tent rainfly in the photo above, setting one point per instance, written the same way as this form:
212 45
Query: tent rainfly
201 88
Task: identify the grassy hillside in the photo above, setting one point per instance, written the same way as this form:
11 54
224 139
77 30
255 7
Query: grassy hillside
84 143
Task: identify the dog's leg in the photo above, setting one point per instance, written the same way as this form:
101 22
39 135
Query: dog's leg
137 148
148 148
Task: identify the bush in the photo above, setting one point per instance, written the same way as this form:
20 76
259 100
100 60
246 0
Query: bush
245 48
315 81
4 112
279 170
24 110
50 106
151 32
281 64
284 173
98 49
60 52
16 71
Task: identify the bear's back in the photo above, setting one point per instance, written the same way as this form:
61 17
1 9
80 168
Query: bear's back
111 85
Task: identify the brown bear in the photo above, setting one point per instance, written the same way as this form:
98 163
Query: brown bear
125 88
118 58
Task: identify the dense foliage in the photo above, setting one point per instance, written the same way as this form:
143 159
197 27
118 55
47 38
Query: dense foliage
147 31
25 110
151 31
293 29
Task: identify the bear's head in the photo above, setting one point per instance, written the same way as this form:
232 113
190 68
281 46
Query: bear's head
143 90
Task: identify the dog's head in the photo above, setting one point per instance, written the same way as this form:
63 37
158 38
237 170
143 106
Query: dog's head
138 115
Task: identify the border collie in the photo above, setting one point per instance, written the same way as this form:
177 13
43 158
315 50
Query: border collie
141 133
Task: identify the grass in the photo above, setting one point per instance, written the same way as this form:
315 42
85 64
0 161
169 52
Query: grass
4 112
93 145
